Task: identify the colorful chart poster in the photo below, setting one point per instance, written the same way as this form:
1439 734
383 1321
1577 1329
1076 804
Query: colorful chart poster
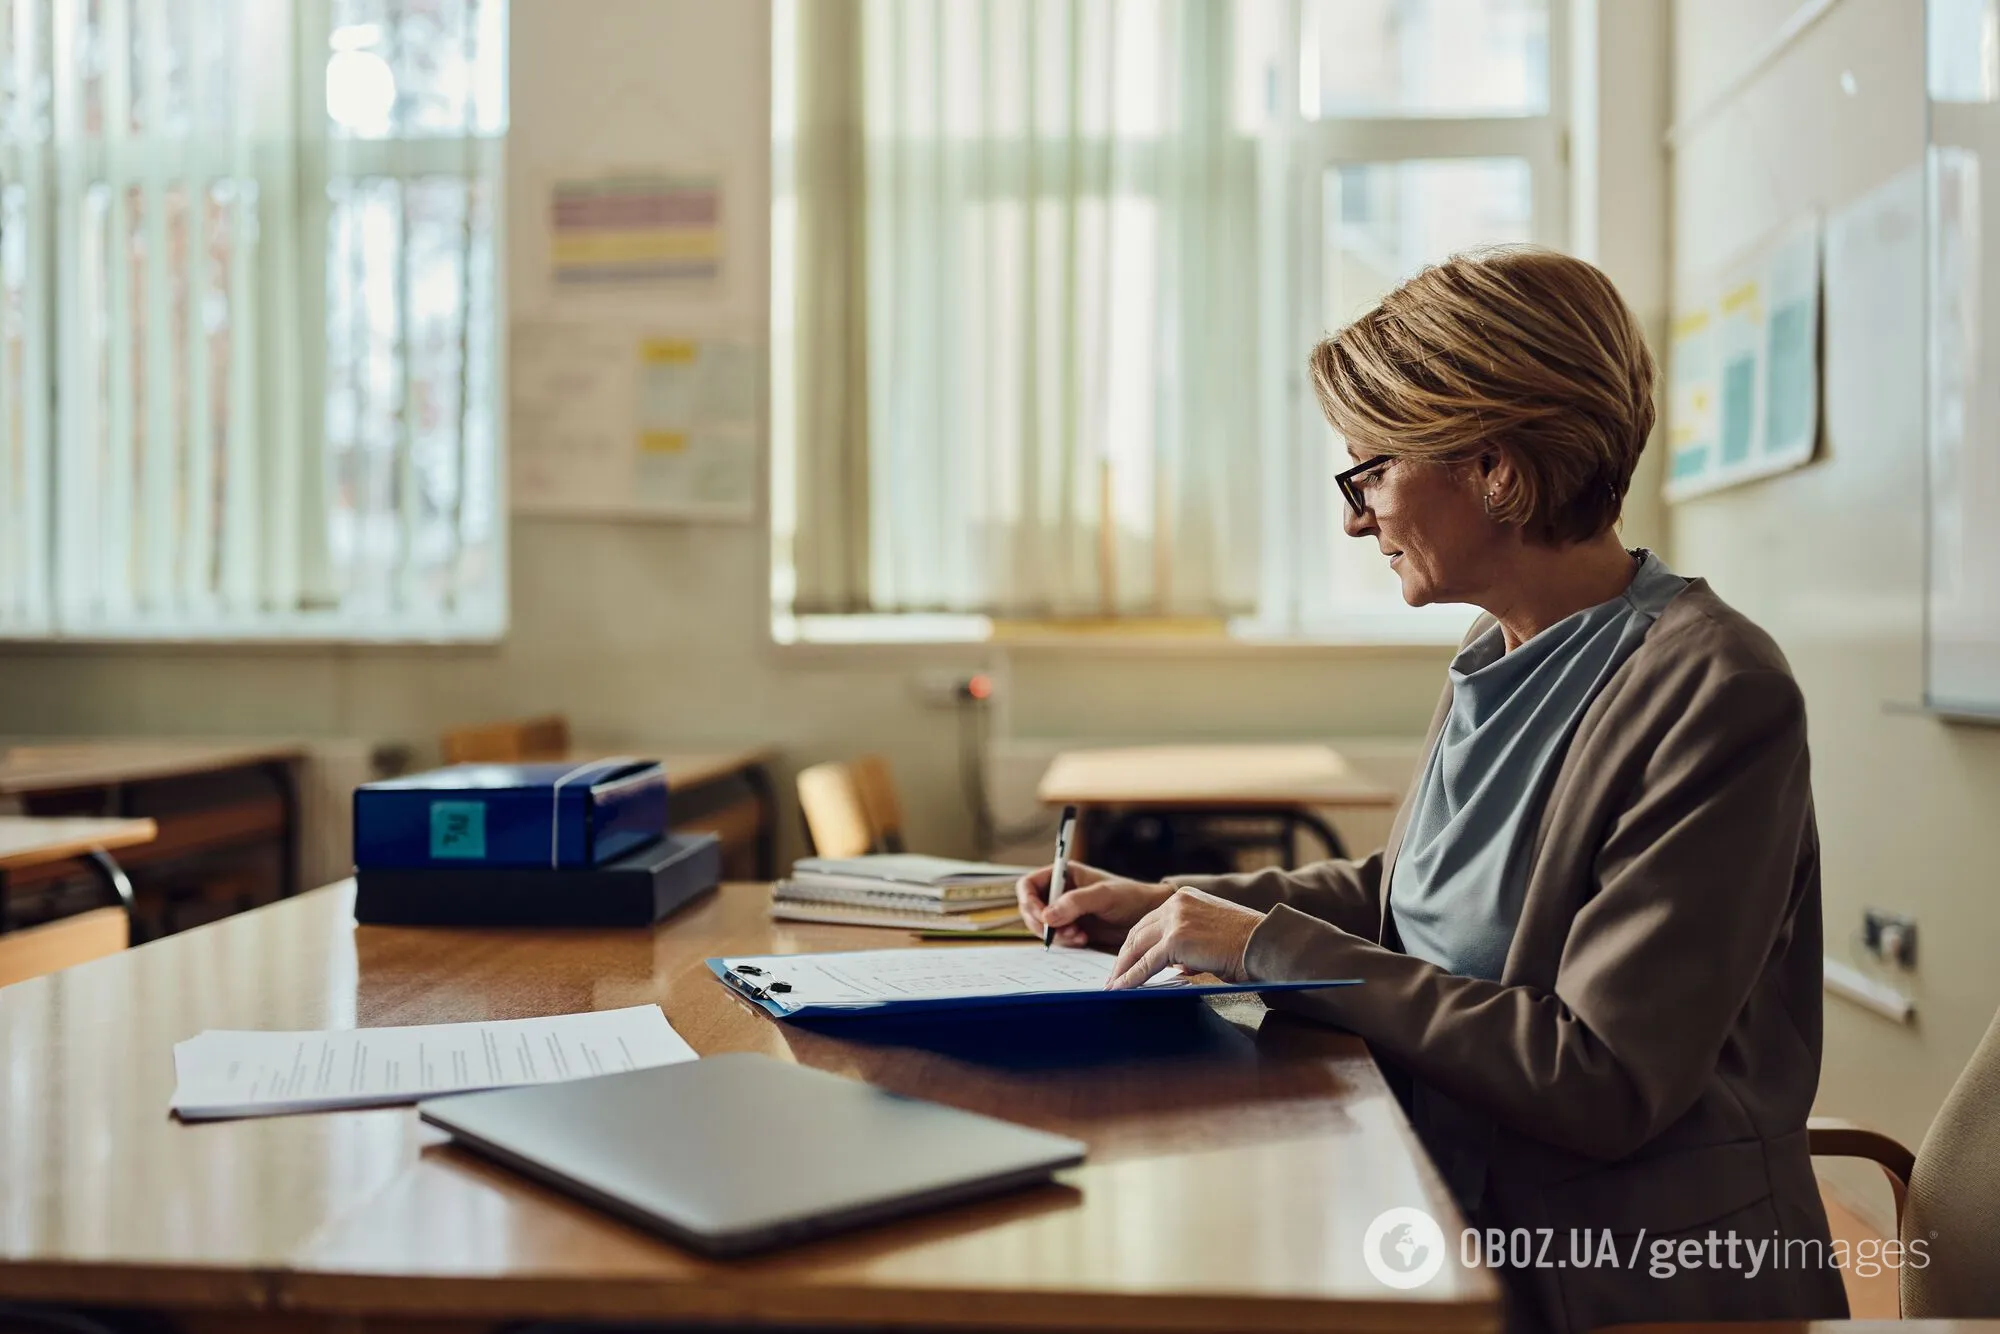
635 229
1744 370
1739 349
1692 396
1791 351
696 425
615 423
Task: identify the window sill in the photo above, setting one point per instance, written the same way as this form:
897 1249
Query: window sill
1420 629
299 632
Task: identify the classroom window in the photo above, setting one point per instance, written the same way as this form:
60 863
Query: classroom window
250 376
1045 274
1424 58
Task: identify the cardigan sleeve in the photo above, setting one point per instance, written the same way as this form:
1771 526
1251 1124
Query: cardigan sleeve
1345 894
1694 887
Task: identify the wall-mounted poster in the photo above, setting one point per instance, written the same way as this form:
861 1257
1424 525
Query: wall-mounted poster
1743 370
1692 393
624 423
624 229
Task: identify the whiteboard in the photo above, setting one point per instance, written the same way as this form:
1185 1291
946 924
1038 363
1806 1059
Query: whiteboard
1962 428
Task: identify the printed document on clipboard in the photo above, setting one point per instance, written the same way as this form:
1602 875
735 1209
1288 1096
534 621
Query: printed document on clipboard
793 986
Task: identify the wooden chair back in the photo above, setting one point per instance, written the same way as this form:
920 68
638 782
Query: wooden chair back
516 742
35 950
879 802
836 819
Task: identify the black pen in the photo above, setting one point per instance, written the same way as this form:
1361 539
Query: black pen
1064 832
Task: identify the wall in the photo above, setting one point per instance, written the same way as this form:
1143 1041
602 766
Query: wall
1618 189
1830 558
656 631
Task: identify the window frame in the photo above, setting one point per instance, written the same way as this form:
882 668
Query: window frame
302 235
1301 488
1291 164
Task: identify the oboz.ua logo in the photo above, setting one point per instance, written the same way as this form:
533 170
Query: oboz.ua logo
1403 1248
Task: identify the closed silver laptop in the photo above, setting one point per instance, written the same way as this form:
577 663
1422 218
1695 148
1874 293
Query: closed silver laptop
740 1152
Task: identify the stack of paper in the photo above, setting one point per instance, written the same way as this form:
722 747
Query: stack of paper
222 1073
904 890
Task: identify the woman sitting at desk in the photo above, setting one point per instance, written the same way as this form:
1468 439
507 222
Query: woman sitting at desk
1590 952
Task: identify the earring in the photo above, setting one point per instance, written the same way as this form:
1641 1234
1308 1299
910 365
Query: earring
1487 500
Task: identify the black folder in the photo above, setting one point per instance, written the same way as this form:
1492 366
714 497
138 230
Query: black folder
637 889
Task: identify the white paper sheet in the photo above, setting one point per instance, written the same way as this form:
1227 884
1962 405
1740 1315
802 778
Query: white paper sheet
223 1073
870 977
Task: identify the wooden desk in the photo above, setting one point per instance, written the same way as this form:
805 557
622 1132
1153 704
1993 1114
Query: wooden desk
1286 784
1818 1327
1209 778
32 840
29 841
113 776
36 768
1236 1156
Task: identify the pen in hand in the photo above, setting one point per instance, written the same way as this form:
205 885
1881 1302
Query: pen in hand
1064 831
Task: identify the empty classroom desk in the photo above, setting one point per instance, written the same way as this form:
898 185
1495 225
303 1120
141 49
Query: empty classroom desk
1281 784
207 795
28 842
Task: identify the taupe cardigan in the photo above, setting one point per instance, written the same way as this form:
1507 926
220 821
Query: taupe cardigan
1651 1050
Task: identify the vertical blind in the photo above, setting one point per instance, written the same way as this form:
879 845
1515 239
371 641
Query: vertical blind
250 381
1060 265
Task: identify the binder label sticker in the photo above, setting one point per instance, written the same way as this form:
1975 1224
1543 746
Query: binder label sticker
458 829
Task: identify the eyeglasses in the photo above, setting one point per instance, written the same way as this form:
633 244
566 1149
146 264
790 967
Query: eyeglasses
1350 481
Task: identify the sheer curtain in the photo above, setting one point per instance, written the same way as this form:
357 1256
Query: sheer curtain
1061 314
248 252
25 418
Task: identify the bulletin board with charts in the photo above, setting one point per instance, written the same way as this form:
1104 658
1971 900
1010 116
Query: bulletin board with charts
1743 368
633 423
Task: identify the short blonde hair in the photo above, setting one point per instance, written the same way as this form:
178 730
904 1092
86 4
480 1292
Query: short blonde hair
1518 347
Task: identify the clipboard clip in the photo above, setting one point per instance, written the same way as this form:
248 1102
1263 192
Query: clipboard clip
739 975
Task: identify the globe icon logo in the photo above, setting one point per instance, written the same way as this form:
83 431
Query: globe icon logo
1403 1248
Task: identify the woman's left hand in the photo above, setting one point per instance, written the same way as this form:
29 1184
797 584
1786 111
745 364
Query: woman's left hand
1195 929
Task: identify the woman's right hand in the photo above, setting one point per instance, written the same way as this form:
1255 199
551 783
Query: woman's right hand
1095 908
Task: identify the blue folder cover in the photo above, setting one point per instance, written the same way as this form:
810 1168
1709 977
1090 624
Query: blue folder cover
548 815
747 989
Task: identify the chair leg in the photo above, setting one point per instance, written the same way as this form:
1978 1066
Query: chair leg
113 876
1319 829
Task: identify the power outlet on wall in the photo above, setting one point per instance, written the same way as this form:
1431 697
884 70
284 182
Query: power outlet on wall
1889 937
947 690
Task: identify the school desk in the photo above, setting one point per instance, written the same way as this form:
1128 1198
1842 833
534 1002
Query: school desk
1236 1156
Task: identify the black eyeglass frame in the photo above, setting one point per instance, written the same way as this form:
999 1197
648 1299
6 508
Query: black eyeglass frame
1345 481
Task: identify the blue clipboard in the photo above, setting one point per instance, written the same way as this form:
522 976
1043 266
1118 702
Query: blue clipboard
753 991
